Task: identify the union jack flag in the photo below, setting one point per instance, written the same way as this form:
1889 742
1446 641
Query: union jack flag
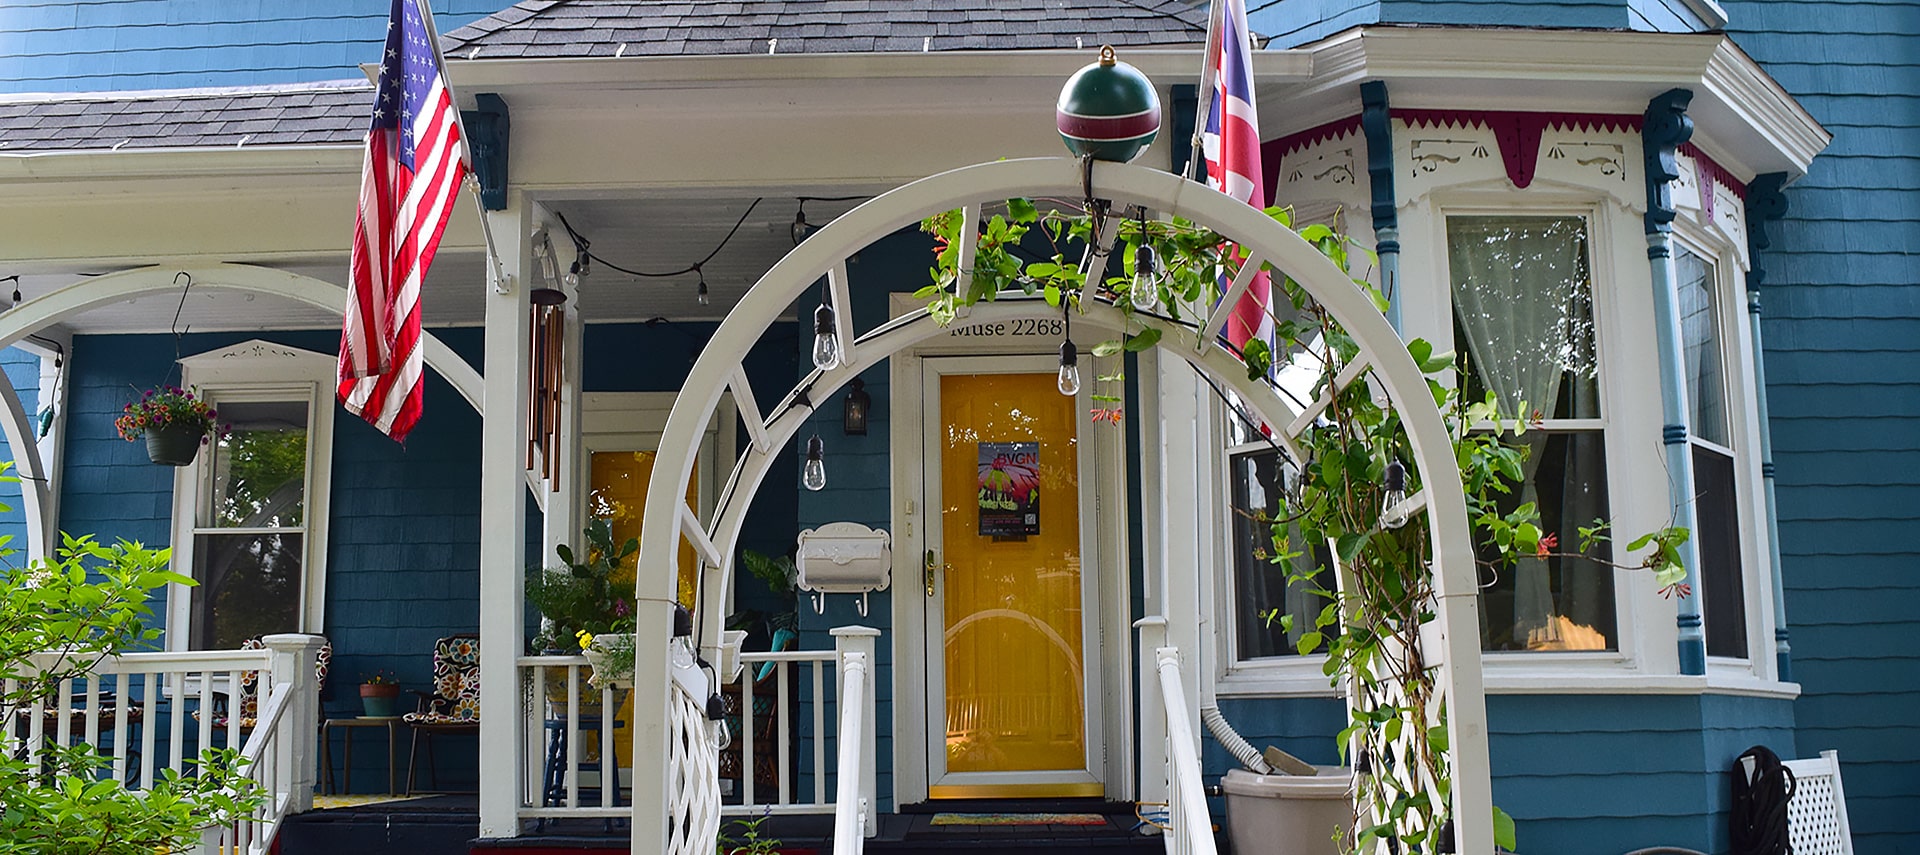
408 183
1230 142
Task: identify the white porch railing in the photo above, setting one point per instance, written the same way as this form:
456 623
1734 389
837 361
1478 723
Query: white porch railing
1189 826
148 711
853 801
571 726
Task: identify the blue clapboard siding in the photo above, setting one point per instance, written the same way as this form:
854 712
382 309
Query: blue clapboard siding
404 528
1580 774
1291 23
1840 325
23 371
98 45
859 480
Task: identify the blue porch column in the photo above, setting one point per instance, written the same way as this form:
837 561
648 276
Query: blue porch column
1666 127
1765 203
1376 122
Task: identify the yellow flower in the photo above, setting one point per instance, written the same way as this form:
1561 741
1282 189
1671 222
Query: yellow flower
585 638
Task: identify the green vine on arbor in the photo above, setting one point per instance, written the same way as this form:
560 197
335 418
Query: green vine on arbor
1334 502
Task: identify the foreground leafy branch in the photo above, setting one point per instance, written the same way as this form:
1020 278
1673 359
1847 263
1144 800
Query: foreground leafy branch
59 619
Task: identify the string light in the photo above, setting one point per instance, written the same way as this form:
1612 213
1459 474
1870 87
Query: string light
702 293
1146 285
826 346
814 477
1393 495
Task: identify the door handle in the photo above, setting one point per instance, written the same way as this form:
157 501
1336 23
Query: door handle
929 572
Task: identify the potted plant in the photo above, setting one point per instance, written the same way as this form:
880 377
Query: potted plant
378 691
174 421
587 597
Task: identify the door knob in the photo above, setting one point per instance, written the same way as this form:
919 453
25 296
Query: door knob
929 571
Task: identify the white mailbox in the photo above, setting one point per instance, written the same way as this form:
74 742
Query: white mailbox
844 558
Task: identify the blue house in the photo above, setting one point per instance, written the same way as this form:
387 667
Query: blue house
1726 347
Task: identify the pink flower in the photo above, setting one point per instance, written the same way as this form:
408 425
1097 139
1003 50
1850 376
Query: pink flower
1546 545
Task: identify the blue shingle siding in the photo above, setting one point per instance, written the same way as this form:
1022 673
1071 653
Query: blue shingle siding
23 371
1843 368
69 46
859 476
1291 23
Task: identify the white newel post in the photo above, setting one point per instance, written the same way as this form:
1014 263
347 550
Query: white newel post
503 519
862 640
1153 712
295 745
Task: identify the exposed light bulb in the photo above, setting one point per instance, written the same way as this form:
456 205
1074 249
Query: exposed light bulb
1393 495
1146 291
704 298
800 228
826 348
570 279
1069 369
814 477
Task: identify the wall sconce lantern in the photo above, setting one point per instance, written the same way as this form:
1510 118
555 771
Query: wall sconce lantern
855 409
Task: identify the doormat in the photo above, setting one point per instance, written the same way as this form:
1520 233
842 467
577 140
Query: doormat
1018 819
321 802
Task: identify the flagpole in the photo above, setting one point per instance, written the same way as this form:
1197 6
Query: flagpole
1208 81
498 274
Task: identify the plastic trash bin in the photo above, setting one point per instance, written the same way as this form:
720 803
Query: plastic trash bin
1287 814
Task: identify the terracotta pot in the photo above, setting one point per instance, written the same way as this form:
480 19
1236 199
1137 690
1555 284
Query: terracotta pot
377 699
173 445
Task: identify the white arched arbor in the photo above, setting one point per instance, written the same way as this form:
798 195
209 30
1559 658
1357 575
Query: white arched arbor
89 293
719 370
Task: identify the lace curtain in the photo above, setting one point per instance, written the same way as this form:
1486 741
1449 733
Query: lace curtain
1523 305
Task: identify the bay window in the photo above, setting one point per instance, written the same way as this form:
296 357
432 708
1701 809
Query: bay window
1522 298
1716 504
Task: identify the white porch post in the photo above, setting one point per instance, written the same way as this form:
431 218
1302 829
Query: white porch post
1153 712
503 522
861 640
1186 456
296 745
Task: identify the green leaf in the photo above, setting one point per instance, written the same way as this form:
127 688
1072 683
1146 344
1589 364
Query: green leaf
1317 231
1349 545
1107 348
1503 833
1022 210
1144 340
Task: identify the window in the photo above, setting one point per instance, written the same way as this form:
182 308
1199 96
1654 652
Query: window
250 513
1716 509
250 533
1264 590
1523 325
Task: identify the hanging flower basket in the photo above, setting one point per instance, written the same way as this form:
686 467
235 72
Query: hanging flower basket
174 422
173 445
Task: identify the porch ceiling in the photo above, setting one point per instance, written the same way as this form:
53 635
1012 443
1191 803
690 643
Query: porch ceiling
661 233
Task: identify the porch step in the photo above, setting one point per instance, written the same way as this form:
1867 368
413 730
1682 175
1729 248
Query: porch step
433 825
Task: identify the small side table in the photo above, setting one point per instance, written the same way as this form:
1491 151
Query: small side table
391 723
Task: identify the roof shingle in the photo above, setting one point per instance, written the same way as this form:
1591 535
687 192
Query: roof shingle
542 28
308 114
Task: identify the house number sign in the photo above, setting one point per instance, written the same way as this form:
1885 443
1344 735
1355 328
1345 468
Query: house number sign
1051 327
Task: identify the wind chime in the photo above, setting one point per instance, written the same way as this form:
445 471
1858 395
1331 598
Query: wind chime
548 327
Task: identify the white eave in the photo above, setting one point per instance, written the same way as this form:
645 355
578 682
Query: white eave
1742 117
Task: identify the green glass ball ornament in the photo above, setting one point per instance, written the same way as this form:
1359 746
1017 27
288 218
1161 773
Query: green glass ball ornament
1109 110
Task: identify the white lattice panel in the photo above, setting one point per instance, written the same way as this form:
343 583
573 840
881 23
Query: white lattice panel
693 788
1817 813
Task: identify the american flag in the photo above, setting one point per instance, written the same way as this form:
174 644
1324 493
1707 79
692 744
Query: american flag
1230 143
408 184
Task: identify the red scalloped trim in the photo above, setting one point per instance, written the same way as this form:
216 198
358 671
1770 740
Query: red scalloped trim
1711 173
1517 133
1272 151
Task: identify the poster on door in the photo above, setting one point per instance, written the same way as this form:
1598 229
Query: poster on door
1009 489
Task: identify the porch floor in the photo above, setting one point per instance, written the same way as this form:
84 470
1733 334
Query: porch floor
445 825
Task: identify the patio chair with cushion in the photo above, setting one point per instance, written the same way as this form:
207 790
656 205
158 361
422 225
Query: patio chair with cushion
454 704
246 704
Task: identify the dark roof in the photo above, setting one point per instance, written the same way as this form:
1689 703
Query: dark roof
553 28
307 114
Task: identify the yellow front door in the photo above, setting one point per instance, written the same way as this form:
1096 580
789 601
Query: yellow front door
1006 622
